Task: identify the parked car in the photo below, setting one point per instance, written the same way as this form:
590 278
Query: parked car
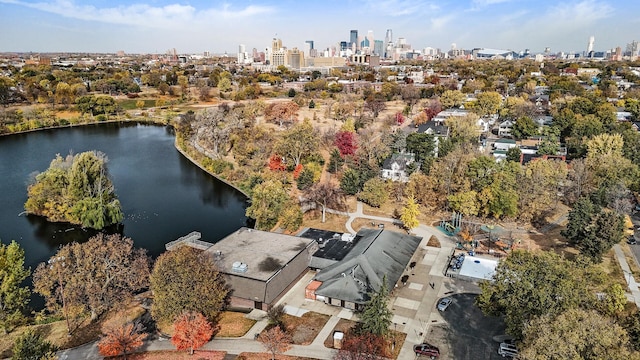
426 350
444 303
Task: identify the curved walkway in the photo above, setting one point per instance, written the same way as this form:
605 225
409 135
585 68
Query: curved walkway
360 214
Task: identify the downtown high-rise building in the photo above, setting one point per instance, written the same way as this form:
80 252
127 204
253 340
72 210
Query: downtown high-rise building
308 48
353 38
388 44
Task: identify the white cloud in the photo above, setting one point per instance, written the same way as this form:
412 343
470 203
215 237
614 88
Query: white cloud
401 7
142 14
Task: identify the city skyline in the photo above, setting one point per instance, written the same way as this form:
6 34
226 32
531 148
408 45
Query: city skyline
218 27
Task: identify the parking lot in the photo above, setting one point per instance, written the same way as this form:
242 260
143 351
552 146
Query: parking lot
468 334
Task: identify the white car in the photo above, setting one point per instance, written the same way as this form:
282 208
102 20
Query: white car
444 303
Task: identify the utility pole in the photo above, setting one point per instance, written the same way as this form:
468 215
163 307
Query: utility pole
58 262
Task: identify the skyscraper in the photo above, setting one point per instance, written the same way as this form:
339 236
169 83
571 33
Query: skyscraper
241 54
308 46
590 46
388 44
353 39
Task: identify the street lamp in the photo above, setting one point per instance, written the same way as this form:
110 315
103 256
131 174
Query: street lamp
52 263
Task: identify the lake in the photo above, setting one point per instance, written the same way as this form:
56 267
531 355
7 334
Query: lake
163 195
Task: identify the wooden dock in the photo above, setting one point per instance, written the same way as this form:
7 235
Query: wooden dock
192 239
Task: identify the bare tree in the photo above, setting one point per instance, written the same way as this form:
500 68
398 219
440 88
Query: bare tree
326 195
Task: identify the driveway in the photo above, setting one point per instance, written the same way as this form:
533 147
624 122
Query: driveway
468 334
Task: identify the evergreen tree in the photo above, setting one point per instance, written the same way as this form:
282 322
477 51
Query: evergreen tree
376 316
13 297
578 219
31 346
335 161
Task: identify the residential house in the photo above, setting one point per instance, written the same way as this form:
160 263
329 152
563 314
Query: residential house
438 131
376 254
395 167
504 128
504 144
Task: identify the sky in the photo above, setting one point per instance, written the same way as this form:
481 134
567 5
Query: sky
195 26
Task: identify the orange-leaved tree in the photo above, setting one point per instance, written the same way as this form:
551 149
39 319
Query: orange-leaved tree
191 331
121 339
275 341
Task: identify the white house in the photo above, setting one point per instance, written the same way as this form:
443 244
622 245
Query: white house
395 167
504 129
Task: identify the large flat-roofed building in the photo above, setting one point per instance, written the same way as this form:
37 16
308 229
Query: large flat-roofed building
260 266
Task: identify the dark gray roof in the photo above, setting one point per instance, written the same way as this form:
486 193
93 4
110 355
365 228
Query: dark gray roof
401 159
376 254
264 253
436 128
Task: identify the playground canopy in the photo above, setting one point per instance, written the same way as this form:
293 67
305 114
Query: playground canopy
476 268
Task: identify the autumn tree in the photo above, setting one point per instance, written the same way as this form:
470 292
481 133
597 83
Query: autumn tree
94 276
346 143
433 108
267 203
13 296
291 217
464 202
375 105
575 334
488 103
121 339
185 279
452 98
527 285
464 129
275 163
275 341
362 347
283 111
214 127
191 330
409 214
538 187
298 142
326 195
374 192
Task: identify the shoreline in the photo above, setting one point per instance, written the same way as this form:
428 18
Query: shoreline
193 161
149 122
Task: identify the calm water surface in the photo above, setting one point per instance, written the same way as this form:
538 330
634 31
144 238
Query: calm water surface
163 195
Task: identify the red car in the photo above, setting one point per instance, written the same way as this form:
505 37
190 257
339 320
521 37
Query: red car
426 350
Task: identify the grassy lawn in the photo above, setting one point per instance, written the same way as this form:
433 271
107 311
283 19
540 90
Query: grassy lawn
179 355
305 328
56 332
313 219
130 104
234 324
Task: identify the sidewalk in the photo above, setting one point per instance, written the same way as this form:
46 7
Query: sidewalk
628 275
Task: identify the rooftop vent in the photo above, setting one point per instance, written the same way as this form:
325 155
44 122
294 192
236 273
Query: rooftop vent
239 267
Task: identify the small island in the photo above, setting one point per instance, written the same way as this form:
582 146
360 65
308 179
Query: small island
76 189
